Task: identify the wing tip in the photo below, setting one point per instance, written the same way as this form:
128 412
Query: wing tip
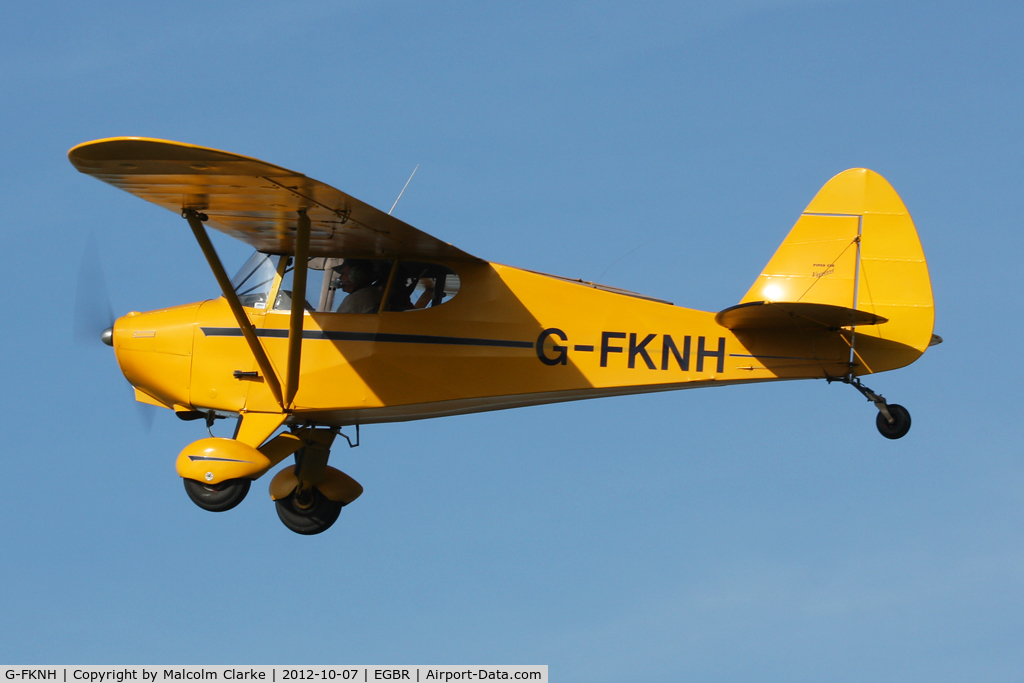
124 150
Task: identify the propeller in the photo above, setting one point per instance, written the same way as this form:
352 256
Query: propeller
93 318
146 414
93 315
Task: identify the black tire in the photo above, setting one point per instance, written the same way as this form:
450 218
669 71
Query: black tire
217 497
900 424
308 514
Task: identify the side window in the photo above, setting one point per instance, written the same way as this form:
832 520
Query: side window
285 293
421 285
362 283
337 285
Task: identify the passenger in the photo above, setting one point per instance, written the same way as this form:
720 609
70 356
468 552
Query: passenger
428 293
357 282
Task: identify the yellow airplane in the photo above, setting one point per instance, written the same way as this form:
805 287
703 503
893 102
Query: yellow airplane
346 316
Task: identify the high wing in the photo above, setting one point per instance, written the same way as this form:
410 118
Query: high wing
254 201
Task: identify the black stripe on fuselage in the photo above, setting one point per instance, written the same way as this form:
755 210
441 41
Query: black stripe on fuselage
384 337
817 360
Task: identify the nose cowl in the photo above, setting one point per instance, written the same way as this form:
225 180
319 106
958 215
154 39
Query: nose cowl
154 351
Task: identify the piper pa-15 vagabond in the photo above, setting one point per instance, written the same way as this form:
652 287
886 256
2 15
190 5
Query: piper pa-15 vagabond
346 316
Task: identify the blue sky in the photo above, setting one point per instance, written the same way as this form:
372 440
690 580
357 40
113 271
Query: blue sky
757 532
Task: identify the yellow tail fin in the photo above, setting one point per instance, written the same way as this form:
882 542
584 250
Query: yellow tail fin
855 246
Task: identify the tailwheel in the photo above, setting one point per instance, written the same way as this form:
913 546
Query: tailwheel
308 511
893 420
898 426
217 497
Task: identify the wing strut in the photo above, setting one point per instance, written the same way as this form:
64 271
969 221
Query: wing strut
291 381
195 221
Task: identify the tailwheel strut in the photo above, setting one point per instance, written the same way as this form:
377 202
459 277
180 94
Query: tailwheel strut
893 420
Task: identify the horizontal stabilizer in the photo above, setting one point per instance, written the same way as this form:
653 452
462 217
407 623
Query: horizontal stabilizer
765 315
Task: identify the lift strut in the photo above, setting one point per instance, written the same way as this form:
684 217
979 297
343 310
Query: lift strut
195 221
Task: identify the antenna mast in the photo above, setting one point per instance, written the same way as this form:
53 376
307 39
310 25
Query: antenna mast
403 189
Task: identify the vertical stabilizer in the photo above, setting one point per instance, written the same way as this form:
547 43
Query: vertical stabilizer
855 246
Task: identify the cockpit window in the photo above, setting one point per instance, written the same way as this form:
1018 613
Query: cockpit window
337 285
421 285
253 281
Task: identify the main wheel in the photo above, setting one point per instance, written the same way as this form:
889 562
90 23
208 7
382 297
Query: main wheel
217 497
900 424
309 512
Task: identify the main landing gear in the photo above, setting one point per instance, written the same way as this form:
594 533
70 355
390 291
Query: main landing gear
308 511
308 495
893 420
217 497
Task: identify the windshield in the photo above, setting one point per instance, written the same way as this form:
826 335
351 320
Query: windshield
253 280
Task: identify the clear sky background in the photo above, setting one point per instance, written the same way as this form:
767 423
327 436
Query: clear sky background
762 532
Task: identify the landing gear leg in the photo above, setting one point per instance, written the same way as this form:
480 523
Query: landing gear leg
893 420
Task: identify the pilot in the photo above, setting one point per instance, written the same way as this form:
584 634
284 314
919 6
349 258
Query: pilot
357 282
